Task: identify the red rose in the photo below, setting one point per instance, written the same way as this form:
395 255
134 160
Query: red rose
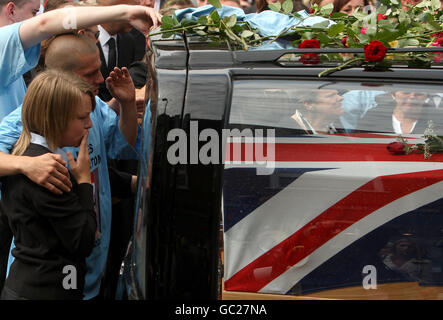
310 58
311 10
375 51
396 148
313 43
438 56
344 40
380 17
439 38
363 30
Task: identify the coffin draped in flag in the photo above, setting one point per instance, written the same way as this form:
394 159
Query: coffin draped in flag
334 207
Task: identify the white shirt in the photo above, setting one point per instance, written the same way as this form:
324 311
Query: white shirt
397 126
40 140
437 99
103 39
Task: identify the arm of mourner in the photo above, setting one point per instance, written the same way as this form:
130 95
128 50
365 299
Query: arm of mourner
43 26
47 170
121 87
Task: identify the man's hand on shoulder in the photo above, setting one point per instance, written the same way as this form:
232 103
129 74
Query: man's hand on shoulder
48 170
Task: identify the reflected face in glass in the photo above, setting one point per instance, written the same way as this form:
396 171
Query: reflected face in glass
407 100
328 102
404 248
351 6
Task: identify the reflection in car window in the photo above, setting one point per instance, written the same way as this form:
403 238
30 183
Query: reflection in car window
139 253
337 203
328 107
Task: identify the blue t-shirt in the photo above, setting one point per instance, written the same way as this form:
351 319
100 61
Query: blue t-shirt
14 62
105 140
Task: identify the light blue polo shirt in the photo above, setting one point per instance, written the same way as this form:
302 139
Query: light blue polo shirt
105 141
14 62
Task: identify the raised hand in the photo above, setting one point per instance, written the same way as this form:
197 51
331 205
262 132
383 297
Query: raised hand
81 169
144 18
120 85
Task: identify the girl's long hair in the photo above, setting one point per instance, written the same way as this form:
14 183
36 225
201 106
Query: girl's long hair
50 102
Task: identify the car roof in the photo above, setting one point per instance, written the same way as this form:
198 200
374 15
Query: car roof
204 54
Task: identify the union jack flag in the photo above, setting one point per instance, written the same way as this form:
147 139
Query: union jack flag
333 204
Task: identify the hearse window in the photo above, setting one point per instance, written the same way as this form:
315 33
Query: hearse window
313 107
315 198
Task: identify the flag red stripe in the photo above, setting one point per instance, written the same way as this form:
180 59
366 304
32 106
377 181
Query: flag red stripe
365 200
321 152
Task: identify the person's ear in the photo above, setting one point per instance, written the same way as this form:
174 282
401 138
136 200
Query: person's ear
10 10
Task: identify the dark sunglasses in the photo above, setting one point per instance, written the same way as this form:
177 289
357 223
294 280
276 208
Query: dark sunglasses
96 34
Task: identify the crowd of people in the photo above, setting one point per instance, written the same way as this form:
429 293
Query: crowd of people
68 109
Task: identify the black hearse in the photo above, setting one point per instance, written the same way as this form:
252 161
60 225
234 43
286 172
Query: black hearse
308 211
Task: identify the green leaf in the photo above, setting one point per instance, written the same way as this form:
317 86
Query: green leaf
200 32
215 16
247 34
214 29
386 25
408 43
174 18
363 38
167 35
276 6
387 36
323 38
335 29
371 30
230 35
287 6
167 22
215 3
185 23
232 21
423 4
327 9
237 28
435 5
382 9
338 15
321 25
202 19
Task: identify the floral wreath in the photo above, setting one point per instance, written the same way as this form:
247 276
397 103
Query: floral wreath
381 33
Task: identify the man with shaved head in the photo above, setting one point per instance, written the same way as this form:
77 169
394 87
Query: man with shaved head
110 136
21 32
